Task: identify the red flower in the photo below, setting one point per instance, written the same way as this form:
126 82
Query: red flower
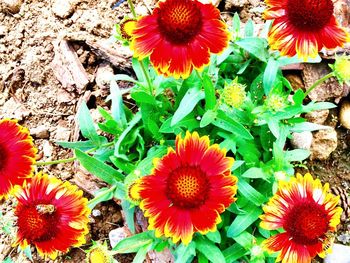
307 213
17 156
180 35
188 189
52 215
303 27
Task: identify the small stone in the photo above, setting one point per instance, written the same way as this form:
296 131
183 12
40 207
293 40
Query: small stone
13 6
96 212
301 140
47 149
63 8
104 75
40 132
62 133
340 254
344 114
3 30
117 235
318 116
324 143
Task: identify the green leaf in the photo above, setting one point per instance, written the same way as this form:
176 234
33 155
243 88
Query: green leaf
185 254
245 239
134 243
297 155
117 107
98 168
210 250
227 123
145 166
143 97
233 253
224 55
208 117
298 97
237 164
307 126
214 236
236 23
129 214
141 254
319 106
187 104
243 221
209 90
250 193
255 173
87 125
255 46
270 75
249 28
104 194
105 114
81 145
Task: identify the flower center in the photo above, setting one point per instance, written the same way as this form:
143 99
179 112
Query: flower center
179 20
187 187
309 14
98 255
307 223
38 224
3 157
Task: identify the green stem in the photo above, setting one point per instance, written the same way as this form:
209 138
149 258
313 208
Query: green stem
145 72
68 160
132 8
143 67
199 75
318 82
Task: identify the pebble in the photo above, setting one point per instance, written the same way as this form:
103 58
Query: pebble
40 132
63 8
344 114
301 140
47 149
324 143
117 235
340 254
13 5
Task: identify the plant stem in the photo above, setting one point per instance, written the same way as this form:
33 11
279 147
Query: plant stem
145 72
318 82
68 160
199 75
132 8
143 67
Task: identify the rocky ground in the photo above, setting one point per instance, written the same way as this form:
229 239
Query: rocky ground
53 55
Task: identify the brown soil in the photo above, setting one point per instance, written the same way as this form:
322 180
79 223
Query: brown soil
31 93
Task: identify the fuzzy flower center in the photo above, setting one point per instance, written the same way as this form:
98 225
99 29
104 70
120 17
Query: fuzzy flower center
3 157
38 222
179 20
187 187
309 14
127 27
134 192
98 255
307 223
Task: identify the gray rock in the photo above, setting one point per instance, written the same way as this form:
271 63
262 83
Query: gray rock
117 235
340 254
301 140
